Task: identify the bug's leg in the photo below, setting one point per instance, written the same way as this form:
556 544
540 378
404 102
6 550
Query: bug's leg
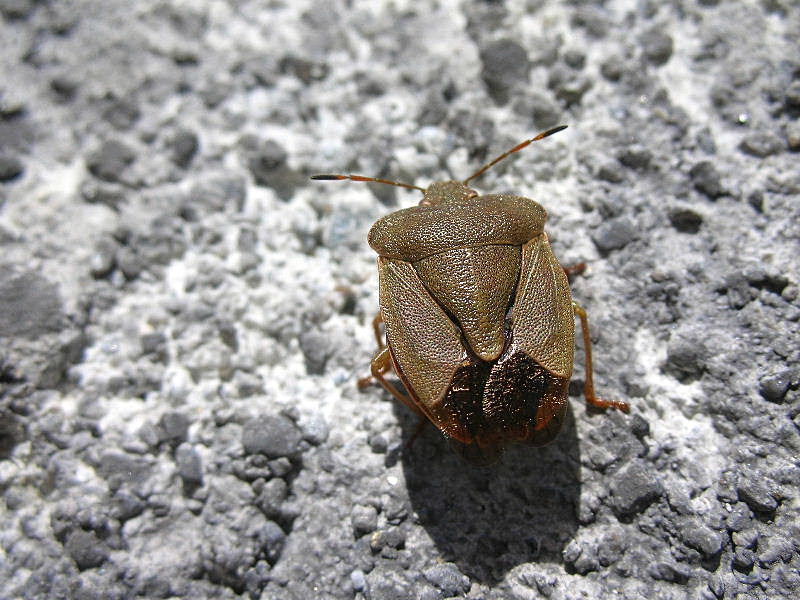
376 327
573 270
588 388
367 381
381 365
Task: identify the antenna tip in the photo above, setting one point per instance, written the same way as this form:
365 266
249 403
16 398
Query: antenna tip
553 130
325 177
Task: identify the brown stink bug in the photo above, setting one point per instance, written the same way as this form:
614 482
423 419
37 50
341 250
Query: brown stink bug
478 315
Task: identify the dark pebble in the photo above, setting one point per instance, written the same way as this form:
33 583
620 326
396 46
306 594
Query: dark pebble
594 19
305 70
86 549
184 146
119 468
744 559
706 179
364 519
272 435
685 220
757 495
739 518
16 9
173 427
612 547
702 539
614 234
686 356
272 496
190 465
505 64
761 144
793 135
773 386
228 335
103 260
568 87
65 87
126 505
96 193
30 305
635 157
280 467
378 443
612 68
611 171
540 106
664 571
315 430
153 343
110 160
219 190
121 113
657 46
792 96
130 263
634 488
316 348
775 548
639 426
271 538
448 579
387 538
268 166
10 167
575 58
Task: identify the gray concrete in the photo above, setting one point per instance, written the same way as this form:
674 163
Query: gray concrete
184 315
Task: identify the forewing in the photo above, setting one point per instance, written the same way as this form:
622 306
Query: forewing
543 321
424 342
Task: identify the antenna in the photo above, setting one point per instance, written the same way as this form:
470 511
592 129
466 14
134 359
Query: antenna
516 148
326 177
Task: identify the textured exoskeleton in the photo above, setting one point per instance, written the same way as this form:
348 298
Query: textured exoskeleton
478 314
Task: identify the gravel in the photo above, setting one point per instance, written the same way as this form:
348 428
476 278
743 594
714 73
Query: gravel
184 315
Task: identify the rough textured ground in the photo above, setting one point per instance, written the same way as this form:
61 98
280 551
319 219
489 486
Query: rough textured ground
183 315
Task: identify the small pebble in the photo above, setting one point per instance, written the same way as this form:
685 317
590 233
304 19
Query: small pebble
761 144
448 578
756 495
657 46
634 488
190 465
773 386
10 167
706 179
272 435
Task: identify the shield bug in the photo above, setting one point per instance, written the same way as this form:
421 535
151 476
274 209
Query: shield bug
478 315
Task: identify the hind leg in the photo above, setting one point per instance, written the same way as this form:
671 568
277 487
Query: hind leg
588 388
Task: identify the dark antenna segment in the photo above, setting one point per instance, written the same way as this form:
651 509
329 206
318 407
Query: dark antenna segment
328 177
516 148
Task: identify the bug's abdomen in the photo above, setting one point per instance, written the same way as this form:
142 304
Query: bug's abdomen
513 399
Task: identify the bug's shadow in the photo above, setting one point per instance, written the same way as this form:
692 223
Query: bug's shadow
489 519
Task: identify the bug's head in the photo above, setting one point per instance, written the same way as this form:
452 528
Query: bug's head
446 192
